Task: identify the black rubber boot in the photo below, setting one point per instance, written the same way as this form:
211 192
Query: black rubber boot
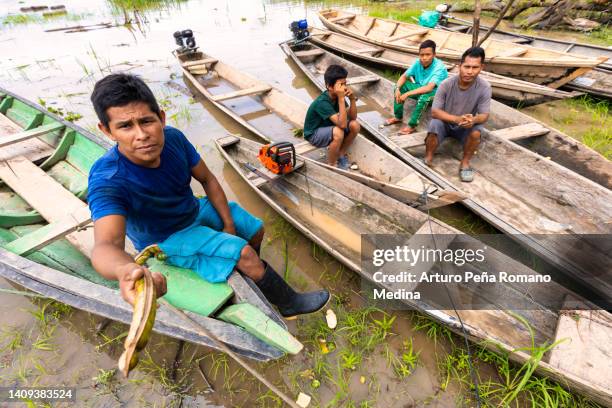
289 302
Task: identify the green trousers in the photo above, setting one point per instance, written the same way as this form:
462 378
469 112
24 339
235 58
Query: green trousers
422 101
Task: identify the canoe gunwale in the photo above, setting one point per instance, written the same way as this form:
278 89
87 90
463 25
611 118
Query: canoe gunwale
107 302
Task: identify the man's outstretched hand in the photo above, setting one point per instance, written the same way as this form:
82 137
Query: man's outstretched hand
127 282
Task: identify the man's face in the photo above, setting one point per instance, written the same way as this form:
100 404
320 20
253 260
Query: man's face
426 56
469 69
138 131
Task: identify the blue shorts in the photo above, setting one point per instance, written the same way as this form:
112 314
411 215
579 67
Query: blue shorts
203 246
322 136
444 130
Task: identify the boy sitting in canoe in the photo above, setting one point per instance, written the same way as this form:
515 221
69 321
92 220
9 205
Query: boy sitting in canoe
141 187
460 107
428 73
329 123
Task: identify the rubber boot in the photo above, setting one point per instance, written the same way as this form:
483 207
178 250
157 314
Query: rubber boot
289 302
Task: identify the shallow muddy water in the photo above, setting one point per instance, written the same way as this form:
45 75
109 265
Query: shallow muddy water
40 345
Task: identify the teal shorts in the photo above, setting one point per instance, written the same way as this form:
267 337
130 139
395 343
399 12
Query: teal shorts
203 246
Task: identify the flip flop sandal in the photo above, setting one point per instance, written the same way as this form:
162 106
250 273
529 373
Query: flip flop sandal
388 123
466 175
406 131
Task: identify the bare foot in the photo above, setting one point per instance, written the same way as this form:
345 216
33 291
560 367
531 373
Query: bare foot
407 130
392 121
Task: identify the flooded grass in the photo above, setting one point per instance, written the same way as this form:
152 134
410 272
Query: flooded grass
16 19
585 118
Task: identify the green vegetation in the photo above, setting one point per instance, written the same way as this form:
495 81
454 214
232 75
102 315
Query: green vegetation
406 12
585 118
16 19
601 36
29 18
511 385
68 115
124 7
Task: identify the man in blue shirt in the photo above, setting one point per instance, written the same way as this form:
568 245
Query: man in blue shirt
428 72
141 187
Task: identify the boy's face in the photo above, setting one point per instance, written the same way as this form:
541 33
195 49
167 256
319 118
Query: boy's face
340 84
426 56
138 131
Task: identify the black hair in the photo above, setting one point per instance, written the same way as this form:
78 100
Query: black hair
334 73
119 90
474 52
428 44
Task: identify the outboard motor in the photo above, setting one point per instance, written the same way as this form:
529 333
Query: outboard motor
300 30
185 40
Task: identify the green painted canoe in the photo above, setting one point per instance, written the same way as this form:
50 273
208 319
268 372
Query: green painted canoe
44 165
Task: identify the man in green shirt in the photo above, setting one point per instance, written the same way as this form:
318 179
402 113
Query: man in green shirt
428 72
332 124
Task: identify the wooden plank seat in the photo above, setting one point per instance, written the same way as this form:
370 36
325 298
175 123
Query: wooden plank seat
257 89
511 133
521 131
408 141
7 126
33 149
459 28
337 19
512 52
368 49
44 236
304 147
6 140
204 62
309 53
362 79
403 36
45 195
258 180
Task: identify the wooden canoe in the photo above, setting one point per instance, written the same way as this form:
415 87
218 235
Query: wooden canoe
596 82
516 190
44 164
508 90
554 68
337 212
572 47
271 115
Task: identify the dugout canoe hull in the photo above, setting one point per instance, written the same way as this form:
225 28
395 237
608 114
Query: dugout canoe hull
505 89
60 269
554 68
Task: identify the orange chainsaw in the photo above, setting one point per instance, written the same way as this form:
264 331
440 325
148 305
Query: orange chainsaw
278 157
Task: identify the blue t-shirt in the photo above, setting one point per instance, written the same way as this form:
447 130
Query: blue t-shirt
436 72
155 202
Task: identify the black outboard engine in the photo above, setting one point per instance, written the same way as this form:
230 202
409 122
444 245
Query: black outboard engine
185 40
300 30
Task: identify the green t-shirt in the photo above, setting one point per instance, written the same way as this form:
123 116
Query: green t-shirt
319 112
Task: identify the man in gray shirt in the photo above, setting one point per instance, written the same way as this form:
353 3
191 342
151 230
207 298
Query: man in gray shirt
460 107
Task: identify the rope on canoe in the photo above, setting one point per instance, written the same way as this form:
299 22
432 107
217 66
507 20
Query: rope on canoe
424 196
